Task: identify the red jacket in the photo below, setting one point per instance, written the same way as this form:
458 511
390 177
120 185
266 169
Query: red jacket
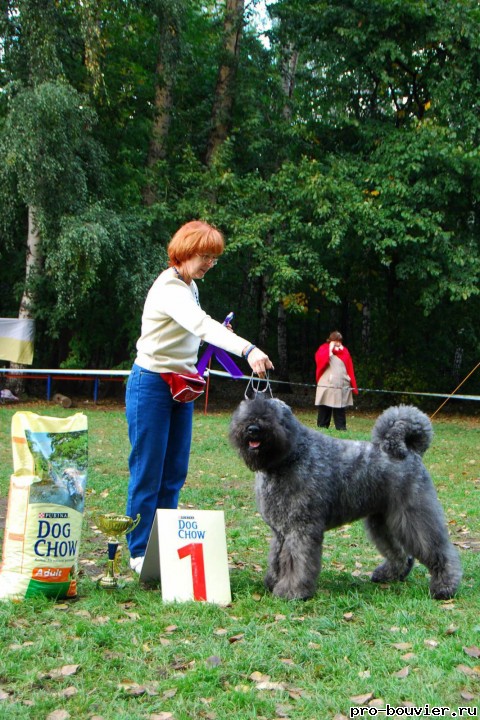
322 360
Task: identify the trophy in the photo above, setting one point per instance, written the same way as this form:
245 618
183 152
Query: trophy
114 526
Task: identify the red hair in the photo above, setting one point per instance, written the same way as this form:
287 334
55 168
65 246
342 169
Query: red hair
195 238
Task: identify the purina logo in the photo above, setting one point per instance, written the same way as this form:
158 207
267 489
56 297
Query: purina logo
53 515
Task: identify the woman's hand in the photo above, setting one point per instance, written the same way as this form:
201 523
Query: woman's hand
259 362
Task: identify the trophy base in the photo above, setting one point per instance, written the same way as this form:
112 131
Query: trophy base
109 583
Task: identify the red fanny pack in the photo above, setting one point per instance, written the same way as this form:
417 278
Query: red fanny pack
184 387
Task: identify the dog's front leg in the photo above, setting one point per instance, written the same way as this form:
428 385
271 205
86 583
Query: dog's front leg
299 562
271 578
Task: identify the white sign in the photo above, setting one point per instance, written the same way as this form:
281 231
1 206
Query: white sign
187 551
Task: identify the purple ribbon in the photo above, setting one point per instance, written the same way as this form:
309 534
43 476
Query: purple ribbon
223 358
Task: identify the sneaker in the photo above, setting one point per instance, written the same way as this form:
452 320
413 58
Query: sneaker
136 564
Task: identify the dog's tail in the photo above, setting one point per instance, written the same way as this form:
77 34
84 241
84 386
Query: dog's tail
403 429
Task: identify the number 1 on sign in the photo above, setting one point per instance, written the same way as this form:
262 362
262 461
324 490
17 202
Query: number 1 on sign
195 551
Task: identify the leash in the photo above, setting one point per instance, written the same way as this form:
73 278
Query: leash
453 393
255 384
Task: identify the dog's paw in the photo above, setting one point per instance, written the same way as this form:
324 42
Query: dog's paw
443 590
389 573
270 581
287 592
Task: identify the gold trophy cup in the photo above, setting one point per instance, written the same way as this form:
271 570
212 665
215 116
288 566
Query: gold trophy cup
114 526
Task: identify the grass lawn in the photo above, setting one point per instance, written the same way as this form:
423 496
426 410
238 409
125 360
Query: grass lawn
125 655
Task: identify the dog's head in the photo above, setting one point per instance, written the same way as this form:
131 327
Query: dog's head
262 431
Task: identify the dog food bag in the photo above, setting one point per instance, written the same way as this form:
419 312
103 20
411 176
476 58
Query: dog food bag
45 506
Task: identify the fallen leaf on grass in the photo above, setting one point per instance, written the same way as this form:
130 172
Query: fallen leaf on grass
466 670
17 646
135 690
447 605
339 716
361 699
364 674
431 643
466 695
64 671
58 715
161 716
267 685
236 638
83 613
402 645
472 651
169 694
101 620
348 616
183 664
403 673
451 630
4 695
68 692
257 677
171 628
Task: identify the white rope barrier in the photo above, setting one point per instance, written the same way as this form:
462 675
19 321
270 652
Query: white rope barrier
97 375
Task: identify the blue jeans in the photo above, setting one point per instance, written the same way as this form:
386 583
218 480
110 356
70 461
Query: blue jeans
160 433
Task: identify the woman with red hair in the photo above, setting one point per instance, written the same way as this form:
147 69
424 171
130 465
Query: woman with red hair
159 425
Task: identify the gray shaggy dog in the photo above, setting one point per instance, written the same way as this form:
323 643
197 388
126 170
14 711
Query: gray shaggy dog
308 482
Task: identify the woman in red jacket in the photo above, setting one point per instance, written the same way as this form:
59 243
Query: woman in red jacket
336 382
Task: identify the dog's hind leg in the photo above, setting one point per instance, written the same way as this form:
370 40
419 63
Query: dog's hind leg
426 537
299 562
397 563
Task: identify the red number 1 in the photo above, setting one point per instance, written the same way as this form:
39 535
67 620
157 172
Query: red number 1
195 550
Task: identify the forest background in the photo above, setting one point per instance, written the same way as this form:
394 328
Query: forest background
336 146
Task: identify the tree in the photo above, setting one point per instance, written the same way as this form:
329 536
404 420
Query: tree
225 87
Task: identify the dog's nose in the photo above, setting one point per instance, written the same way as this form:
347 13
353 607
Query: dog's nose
253 429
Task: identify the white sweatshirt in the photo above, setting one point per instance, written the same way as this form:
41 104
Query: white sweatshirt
173 324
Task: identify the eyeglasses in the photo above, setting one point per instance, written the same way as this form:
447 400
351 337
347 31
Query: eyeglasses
211 259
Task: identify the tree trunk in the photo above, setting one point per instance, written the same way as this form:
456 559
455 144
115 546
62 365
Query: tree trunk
33 265
282 345
263 330
167 51
366 327
289 66
224 91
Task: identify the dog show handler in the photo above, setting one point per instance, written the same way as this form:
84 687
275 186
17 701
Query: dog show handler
163 380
